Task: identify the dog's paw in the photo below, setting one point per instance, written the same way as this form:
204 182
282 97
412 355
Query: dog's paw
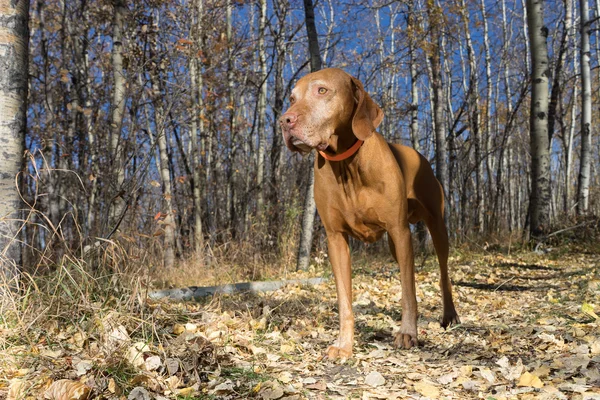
338 353
450 318
405 340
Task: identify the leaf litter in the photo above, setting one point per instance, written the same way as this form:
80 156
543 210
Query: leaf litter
530 330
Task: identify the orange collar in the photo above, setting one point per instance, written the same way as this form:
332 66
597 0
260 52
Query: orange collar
344 155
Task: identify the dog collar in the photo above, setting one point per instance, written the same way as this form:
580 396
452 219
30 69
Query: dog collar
339 157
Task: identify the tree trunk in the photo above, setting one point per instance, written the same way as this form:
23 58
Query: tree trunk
487 134
308 215
231 155
117 112
14 42
160 125
196 155
276 153
583 187
262 109
475 121
540 156
435 16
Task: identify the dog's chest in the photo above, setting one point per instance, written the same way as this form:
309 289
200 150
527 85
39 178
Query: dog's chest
363 219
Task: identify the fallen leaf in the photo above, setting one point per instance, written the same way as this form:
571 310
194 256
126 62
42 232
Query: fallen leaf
530 380
139 393
66 389
427 389
374 379
152 363
223 388
17 389
488 375
285 377
589 310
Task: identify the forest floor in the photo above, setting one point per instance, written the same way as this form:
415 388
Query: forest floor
530 330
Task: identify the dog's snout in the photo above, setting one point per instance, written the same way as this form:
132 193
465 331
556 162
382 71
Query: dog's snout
289 119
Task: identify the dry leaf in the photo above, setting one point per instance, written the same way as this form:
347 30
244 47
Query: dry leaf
139 393
17 389
589 310
285 377
66 389
488 375
530 380
374 379
151 363
427 389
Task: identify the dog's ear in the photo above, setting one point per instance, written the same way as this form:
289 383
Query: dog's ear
367 115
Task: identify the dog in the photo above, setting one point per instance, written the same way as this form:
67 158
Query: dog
364 187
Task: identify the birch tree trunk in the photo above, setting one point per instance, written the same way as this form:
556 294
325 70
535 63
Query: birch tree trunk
568 141
117 111
539 207
487 134
196 156
475 121
262 108
583 187
308 214
414 87
14 56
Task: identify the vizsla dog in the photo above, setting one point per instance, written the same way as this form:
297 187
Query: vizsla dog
364 187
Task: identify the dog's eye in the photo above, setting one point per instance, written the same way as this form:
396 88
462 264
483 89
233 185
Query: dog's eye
322 90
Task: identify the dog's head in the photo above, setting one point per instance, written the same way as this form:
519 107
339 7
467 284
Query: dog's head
326 103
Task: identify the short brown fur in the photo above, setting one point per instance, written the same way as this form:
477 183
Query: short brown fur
381 188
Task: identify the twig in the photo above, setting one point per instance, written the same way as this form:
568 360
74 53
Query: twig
571 228
502 284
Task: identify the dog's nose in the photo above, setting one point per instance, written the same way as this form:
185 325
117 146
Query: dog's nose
288 119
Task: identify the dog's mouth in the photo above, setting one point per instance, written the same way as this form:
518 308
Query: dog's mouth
305 148
300 145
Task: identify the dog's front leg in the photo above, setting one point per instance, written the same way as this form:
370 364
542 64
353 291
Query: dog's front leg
402 247
339 255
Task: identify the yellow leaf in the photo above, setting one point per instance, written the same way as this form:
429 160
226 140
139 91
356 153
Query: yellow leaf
588 309
112 385
178 329
185 391
530 380
427 389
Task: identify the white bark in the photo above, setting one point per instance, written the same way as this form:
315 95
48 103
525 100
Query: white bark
583 188
540 155
262 109
117 110
475 120
14 41
196 155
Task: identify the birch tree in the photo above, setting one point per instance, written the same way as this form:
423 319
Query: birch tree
583 188
14 45
117 111
196 153
539 207
262 107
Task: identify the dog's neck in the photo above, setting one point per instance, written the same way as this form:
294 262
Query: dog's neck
341 142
